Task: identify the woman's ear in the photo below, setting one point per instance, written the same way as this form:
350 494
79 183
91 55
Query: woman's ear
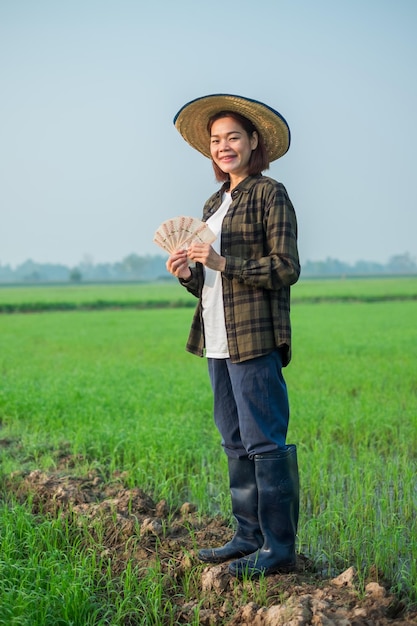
254 140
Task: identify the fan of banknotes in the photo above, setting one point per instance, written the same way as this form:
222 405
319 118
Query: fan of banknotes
179 232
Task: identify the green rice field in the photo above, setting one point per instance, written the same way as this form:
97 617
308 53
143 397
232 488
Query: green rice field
21 298
101 371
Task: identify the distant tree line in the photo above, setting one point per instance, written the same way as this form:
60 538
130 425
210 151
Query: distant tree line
398 264
131 268
151 268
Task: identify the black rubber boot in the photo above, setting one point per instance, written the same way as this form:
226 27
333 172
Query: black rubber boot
248 536
278 506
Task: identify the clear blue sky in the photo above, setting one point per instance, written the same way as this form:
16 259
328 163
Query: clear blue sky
91 164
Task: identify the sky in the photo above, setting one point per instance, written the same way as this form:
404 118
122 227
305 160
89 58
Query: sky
91 164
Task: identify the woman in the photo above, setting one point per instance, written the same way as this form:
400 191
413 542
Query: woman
242 322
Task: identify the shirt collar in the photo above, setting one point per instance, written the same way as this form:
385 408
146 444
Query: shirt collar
244 186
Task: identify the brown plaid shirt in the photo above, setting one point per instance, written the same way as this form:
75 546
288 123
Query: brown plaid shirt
259 242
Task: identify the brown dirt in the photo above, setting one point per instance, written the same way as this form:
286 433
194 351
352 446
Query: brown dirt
139 530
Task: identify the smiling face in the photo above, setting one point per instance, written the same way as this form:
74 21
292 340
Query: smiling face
231 148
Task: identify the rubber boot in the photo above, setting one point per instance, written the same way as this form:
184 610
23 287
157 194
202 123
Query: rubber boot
278 507
244 493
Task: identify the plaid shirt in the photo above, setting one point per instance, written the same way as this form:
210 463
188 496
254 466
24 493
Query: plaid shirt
259 242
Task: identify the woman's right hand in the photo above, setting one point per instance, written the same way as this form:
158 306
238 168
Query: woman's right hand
177 265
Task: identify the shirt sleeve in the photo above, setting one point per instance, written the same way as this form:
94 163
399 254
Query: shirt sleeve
278 263
194 284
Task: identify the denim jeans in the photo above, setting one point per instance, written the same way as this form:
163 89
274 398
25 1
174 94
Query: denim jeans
251 408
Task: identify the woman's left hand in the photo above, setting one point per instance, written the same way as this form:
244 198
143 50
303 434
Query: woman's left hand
205 254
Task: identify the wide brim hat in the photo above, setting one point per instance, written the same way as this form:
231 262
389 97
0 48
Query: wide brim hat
192 120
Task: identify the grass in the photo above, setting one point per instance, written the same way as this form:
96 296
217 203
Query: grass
118 389
347 289
43 574
23 298
355 409
48 576
102 382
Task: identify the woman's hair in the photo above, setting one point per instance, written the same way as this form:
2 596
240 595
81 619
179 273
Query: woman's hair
258 161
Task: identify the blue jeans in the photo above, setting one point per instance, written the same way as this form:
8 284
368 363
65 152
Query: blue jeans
251 408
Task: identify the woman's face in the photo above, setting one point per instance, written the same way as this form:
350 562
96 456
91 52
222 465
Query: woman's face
231 147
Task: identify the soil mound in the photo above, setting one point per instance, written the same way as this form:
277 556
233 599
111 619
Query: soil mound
135 528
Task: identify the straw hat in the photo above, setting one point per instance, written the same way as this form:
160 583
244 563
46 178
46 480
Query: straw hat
192 119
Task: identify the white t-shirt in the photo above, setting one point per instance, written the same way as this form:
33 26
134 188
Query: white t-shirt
212 296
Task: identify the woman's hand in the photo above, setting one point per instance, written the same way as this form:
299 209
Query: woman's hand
177 265
205 254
